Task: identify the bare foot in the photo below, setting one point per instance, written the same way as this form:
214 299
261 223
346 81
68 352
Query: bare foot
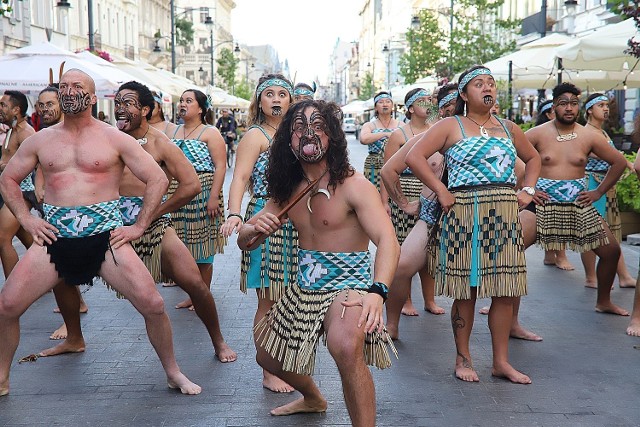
507 371
633 330
564 264
183 383
627 282
83 308
275 384
4 388
185 304
408 309
485 310
433 308
524 334
224 353
60 333
62 348
301 406
590 283
611 308
549 258
168 285
465 371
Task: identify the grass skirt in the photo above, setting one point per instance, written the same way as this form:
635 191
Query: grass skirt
372 166
403 222
612 210
193 225
562 226
149 247
480 245
290 331
278 259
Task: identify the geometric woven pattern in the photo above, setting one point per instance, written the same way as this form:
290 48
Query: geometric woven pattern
402 221
82 221
378 146
258 178
130 207
328 271
562 190
430 210
27 184
197 152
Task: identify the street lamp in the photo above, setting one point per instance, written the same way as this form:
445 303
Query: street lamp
65 5
385 50
209 24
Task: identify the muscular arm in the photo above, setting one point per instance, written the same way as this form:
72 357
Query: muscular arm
429 142
145 168
182 171
394 166
21 164
264 223
217 149
601 148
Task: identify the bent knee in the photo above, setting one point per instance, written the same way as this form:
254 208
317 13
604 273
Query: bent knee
346 351
152 305
610 252
10 309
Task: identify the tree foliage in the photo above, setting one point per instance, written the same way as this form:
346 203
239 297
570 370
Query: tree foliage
227 66
479 35
244 90
184 32
367 90
425 48
629 9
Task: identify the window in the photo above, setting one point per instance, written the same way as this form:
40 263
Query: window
204 12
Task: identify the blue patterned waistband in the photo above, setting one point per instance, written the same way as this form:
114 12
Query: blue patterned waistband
83 221
430 210
330 271
562 190
130 207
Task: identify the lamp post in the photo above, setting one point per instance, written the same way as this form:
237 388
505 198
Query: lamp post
65 5
173 37
386 51
209 23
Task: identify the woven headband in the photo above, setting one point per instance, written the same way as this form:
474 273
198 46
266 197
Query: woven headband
546 107
302 92
381 96
472 75
273 82
419 94
158 98
447 99
594 101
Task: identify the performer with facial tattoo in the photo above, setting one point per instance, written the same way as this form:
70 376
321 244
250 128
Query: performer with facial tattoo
160 248
374 135
480 246
198 222
335 294
565 217
13 111
82 235
597 113
303 91
273 265
422 113
417 250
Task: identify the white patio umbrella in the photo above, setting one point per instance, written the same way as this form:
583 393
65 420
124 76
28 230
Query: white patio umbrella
354 107
601 50
27 69
116 73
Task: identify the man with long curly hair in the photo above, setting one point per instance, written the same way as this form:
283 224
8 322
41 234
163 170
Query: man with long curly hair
336 294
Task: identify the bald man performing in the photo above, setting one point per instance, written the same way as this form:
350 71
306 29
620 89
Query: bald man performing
82 235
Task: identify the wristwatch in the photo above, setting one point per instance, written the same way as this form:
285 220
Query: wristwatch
529 190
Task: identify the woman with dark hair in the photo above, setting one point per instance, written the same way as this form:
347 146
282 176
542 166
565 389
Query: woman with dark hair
480 250
422 113
198 222
271 267
158 119
374 135
596 111
303 91
545 112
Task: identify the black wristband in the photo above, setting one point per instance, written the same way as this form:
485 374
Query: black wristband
237 215
380 289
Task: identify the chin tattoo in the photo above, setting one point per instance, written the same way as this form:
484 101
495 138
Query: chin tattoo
75 104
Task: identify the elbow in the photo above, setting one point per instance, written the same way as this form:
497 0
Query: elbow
163 183
194 189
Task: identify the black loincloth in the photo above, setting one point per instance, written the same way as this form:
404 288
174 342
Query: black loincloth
78 260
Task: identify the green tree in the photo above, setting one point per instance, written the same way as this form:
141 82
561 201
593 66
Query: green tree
479 35
367 90
227 65
5 7
184 32
425 48
244 90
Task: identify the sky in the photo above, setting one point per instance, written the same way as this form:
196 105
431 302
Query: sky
302 31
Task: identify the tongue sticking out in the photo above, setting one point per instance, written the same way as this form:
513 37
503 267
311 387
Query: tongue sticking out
310 149
121 123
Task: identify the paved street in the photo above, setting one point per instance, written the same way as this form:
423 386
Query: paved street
585 372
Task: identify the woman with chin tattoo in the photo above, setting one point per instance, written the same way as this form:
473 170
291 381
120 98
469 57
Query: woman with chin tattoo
198 222
274 264
375 134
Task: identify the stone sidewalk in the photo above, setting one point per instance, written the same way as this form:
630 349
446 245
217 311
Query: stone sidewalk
585 372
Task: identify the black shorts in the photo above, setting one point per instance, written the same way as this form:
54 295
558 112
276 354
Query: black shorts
78 260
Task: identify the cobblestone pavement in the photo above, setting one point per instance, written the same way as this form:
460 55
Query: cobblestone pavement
585 372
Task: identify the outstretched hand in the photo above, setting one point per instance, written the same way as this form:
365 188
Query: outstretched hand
371 316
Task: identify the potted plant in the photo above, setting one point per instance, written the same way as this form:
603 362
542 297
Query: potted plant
628 191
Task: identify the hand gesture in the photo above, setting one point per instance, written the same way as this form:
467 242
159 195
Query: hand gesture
371 316
232 224
268 223
586 198
122 235
523 199
213 207
540 198
41 231
412 208
446 200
